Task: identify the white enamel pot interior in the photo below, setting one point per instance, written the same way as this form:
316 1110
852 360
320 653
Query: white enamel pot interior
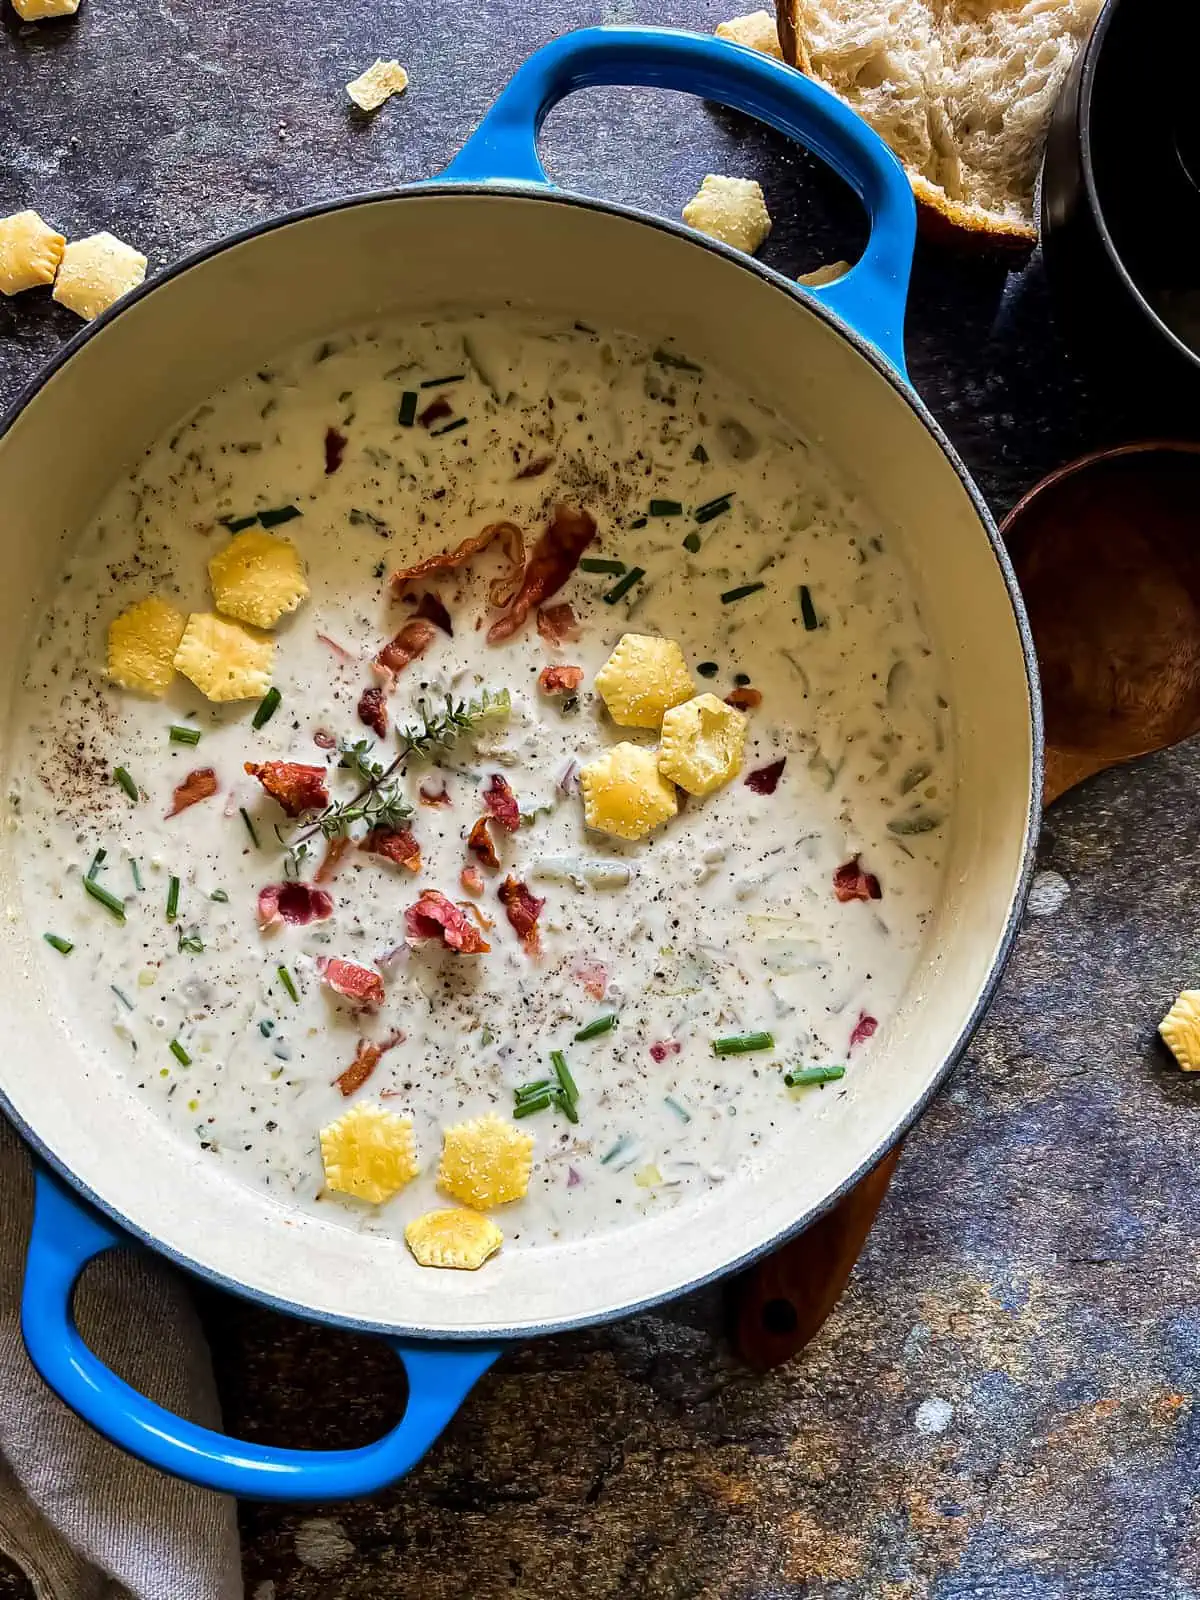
415 254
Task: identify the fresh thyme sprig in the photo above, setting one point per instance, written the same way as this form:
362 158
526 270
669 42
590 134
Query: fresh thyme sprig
378 801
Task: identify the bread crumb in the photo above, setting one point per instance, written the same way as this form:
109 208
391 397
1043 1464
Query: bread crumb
829 273
757 30
730 209
30 252
97 271
43 10
377 84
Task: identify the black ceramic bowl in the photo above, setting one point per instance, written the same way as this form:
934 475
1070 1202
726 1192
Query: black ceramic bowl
1120 206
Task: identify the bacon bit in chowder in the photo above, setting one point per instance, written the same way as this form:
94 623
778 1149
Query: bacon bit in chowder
198 785
619 491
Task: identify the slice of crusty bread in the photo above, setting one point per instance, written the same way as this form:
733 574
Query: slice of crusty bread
962 90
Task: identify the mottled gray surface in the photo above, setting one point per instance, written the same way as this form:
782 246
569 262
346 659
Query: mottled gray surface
1003 1405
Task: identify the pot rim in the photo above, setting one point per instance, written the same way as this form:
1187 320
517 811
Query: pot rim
546 194
1092 53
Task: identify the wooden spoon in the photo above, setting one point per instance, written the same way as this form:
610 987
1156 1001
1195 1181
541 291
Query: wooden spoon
1107 553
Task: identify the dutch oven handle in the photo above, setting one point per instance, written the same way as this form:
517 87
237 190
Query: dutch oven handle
67 1234
870 298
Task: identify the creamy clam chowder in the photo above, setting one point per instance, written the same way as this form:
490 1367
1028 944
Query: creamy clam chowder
254 975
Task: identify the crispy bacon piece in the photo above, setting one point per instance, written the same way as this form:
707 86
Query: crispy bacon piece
394 844
365 1061
335 448
435 917
471 881
523 910
593 977
197 785
535 468
435 411
558 623
862 1030
412 641
500 802
850 882
481 844
339 650
555 557
744 698
352 982
560 680
372 710
298 788
478 913
429 796
432 609
765 780
297 903
335 849
501 590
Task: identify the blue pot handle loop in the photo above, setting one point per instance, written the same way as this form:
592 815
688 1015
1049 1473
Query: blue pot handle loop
66 1236
871 297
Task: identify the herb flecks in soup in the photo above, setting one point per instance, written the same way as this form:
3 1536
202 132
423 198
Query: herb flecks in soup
354 934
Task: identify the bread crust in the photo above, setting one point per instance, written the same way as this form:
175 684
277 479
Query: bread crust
940 216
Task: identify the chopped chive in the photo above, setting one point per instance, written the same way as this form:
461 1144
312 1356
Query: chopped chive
407 414
666 508
622 587
289 983
601 564
190 943
595 1029
172 899
808 610
692 543
680 1111
639 522
667 358
713 508
180 1054
566 1105
700 454
63 946
178 734
534 1102
249 826
236 524
281 514
109 901
97 862
436 383
122 997
741 592
563 1073
121 776
136 874
740 1044
708 669
801 1075
267 707
459 422
615 1150
266 1027
528 1090
220 896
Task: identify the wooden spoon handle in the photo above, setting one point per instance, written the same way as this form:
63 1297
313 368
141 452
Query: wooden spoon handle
779 1304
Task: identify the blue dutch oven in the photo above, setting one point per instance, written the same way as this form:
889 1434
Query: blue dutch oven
492 231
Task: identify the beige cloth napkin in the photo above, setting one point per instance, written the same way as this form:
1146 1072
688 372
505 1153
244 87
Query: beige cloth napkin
81 1518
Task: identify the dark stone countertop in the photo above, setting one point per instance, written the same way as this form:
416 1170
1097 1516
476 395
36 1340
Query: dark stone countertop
1003 1405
